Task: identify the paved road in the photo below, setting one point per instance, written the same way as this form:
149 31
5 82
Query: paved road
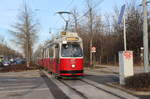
108 74
23 85
36 85
88 89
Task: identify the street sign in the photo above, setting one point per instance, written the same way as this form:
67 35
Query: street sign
121 14
93 49
127 54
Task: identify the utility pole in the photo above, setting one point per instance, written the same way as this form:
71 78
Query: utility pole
124 33
122 15
91 40
145 37
124 29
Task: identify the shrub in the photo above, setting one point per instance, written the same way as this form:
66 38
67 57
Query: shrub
141 80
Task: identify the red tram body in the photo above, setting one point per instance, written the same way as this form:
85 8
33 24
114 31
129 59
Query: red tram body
63 56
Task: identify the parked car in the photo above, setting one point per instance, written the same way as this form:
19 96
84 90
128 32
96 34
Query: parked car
1 64
6 63
20 61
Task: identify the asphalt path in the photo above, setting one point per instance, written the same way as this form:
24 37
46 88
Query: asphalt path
23 85
36 85
109 74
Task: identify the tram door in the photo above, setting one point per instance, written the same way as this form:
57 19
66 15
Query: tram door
57 57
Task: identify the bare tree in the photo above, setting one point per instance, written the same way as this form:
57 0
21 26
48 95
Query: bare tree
7 52
74 21
89 26
25 32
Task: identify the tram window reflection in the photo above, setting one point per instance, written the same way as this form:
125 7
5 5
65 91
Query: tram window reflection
71 50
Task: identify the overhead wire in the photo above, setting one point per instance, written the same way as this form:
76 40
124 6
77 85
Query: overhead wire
97 4
79 18
68 5
71 2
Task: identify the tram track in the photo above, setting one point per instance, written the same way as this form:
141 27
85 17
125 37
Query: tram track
87 89
102 89
78 92
99 87
82 94
58 81
108 89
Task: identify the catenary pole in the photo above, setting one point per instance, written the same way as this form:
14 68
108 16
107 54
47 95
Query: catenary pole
124 30
145 36
124 33
91 40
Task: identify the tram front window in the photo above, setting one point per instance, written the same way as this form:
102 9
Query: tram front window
71 50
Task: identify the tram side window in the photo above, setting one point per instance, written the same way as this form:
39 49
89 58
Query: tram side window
47 52
57 51
51 52
43 53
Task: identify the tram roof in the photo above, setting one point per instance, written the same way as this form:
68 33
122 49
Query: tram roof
62 37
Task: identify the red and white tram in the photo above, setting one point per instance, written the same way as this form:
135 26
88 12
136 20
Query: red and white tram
63 56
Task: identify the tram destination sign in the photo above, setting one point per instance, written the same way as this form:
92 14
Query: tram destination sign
72 38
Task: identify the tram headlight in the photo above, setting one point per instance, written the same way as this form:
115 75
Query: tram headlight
73 66
64 42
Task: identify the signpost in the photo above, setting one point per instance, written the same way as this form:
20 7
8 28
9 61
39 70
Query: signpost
125 57
121 16
93 50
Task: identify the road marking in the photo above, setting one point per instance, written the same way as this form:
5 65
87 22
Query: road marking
39 89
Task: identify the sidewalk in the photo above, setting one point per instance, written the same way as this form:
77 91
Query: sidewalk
23 85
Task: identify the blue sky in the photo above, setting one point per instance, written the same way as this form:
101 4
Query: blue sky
9 10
